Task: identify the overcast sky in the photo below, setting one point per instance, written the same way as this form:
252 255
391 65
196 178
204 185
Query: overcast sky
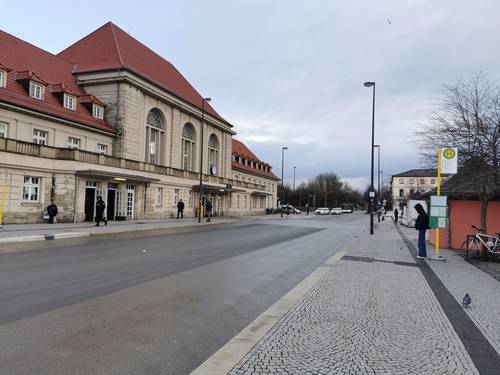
291 72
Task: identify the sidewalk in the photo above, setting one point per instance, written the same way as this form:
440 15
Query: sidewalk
37 232
378 310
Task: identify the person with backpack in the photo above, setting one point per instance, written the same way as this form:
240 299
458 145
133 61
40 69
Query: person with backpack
52 212
208 209
99 212
421 224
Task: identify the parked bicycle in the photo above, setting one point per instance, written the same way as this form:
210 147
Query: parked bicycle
476 243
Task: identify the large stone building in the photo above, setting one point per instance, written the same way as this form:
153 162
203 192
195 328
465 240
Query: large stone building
405 185
109 117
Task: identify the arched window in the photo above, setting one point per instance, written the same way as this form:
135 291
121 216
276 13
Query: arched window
213 154
188 147
155 137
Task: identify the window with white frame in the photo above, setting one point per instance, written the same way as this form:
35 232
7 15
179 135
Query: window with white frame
190 198
98 111
3 78
70 102
74 143
213 152
433 181
176 196
188 147
401 181
3 130
422 181
102 149
155 137
36 90
159 196
40 137
31 189
412 181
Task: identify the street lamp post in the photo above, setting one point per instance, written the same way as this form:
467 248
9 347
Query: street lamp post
282 176
372 84
294 186
378 171
205 100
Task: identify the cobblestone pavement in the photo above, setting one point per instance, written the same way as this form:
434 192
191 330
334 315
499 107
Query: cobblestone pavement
461 277
364 318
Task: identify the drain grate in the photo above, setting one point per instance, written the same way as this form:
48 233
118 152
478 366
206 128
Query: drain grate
357 259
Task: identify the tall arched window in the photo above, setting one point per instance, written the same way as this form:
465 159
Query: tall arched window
188 147
155 137
213 154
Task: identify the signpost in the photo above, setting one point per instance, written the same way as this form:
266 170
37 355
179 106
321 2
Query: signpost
447 163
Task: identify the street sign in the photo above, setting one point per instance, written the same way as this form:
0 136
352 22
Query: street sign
449 160
438 217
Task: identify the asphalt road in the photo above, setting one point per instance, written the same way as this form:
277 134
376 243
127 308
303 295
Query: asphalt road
151 303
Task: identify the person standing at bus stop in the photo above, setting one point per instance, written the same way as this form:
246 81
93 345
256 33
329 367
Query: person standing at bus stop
421 224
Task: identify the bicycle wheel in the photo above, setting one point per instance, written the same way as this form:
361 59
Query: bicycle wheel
470 248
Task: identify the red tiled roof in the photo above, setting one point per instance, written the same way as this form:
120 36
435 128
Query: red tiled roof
239 149
28 61
109 47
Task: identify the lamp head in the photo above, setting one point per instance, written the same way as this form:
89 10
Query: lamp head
369 84
284 148
207 100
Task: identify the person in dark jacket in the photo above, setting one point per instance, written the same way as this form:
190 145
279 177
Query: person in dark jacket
52 212
180 209
99 212
208 209
396 213
421 224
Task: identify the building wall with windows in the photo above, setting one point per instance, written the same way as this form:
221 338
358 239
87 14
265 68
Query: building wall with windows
117 134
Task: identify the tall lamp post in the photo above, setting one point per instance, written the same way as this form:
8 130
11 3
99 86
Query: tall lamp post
205 100
378 171
294 202
372 192
282 176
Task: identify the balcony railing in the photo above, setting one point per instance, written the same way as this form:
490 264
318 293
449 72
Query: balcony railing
32 149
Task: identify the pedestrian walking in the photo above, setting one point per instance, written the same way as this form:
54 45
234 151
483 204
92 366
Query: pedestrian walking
396 215
421 224
180 209
208 209
99 212
307 208
52 212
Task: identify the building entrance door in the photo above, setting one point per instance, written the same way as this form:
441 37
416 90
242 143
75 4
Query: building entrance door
89 204
110 207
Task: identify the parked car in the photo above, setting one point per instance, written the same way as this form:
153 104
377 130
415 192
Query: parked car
322 211
336 211
289 209
347 210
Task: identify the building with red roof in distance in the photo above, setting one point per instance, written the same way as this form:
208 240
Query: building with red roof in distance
109 117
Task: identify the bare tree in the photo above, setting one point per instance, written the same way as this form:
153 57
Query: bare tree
467 116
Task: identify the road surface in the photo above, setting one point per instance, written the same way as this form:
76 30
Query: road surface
147 303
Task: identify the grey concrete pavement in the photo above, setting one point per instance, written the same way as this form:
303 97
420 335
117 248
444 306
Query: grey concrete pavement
102 306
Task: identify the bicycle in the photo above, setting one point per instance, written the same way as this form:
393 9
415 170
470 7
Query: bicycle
476 243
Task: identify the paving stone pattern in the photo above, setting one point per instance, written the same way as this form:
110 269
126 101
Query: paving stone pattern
363 318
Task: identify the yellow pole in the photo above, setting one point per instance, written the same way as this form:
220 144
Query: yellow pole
438 194
4 192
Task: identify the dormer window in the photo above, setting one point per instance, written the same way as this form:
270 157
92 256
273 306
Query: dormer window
98 111
3 78
36 90
70 102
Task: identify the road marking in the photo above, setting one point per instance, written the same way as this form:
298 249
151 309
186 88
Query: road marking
222 361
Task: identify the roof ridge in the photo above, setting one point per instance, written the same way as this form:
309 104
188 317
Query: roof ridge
112 26
36 47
